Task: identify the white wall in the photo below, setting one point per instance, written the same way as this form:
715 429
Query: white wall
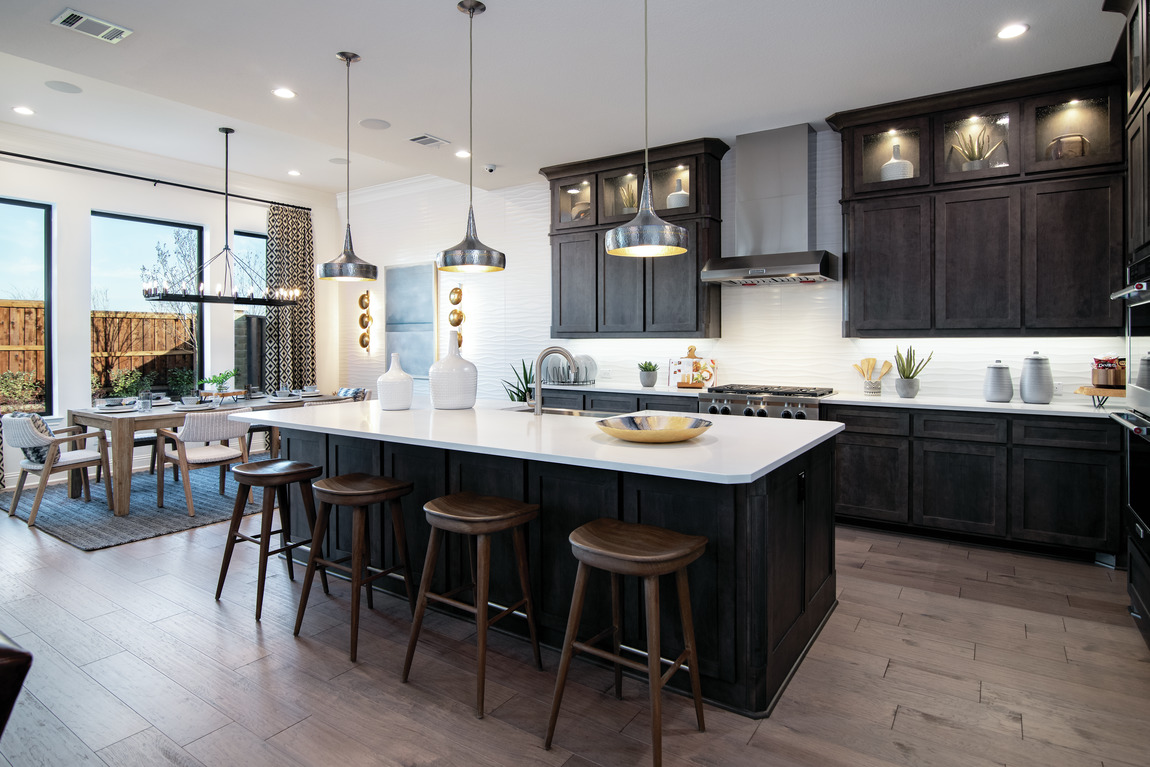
783 335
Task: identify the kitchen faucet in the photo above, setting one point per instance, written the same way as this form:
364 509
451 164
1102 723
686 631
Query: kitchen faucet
539 372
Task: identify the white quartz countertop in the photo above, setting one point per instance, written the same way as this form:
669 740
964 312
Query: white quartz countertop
733 451
1077 405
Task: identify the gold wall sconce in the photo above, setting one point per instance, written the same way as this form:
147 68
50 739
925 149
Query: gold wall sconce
365 321
456 316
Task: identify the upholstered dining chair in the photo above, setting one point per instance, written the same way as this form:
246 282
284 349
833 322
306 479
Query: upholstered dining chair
184 453
45 454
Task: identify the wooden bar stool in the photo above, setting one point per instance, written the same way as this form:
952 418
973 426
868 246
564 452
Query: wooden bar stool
359 491
270 475
477 515
622 548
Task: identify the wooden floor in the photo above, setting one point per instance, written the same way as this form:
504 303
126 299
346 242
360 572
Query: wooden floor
936 655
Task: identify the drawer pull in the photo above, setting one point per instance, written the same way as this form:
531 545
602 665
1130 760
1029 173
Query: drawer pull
1138 529
1134 613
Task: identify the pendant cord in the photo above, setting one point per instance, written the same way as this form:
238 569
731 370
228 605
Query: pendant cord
347 127
227 140
471 108
646 138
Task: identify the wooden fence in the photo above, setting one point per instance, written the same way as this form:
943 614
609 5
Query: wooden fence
22 337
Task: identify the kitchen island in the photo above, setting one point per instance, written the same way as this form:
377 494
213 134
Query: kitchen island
760 491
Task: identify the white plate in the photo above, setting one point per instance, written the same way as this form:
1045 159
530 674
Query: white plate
312 394
115 408
161 402
283 399
182 408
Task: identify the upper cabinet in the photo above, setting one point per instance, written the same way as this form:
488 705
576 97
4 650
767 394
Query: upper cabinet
991 211
594 294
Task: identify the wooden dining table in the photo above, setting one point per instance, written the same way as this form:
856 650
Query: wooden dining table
122 428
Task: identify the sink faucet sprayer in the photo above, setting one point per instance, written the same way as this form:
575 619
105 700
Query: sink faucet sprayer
539 372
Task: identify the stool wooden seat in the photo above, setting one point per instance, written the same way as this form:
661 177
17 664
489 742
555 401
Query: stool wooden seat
277 475
478 515
623 548
359 491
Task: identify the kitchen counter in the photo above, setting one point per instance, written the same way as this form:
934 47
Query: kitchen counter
1076 405
622 387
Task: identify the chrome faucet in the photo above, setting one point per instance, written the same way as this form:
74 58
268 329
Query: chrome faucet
539 372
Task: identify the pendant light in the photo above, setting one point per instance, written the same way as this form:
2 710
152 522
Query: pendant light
347 266
239 282
470 255
646 235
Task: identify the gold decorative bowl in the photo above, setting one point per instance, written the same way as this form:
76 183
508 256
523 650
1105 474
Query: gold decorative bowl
654 428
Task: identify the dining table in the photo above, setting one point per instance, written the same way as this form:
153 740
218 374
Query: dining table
122 425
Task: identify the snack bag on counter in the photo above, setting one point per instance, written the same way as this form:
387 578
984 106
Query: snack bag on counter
692 371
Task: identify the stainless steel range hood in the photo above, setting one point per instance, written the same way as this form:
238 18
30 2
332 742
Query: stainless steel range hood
774 213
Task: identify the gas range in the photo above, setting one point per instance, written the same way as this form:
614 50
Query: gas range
798 402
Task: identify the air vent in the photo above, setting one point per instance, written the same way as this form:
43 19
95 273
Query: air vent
426 139
91 26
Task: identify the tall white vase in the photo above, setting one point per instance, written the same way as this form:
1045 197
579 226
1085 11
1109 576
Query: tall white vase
453 379
896 168
394 387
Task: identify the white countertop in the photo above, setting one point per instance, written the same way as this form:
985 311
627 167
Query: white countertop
1077 405
733 451
623 387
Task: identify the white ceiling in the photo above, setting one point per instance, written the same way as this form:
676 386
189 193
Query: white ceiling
554 81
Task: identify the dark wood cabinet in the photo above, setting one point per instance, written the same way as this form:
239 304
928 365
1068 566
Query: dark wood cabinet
873 477
611 402
960 486
889 287
1137 184
594 294
1066 497
617 402
668 402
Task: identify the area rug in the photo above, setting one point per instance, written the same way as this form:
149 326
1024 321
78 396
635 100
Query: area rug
91 526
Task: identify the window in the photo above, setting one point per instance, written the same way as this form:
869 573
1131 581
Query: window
134 340
25 307
251 251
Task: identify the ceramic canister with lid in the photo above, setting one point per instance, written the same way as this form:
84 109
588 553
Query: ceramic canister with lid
1037 384
997 386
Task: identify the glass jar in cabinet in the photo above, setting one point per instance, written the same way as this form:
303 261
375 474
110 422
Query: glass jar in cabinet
1072 129
891 155
619 194
981 142
573 202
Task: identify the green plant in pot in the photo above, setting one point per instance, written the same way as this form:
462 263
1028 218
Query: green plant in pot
220 380
627 197
181 382
521 389
908 366
648 373
974 148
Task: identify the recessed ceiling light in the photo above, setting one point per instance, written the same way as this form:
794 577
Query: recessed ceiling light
293 172
374 123
1012 30
284 93
463 153
338 161
23 110
63 87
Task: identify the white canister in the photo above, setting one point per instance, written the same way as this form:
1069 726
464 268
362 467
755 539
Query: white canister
1037 384
394 387
997 386
453 379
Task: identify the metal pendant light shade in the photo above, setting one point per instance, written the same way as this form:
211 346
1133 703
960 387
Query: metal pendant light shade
347 266
470 255
646 235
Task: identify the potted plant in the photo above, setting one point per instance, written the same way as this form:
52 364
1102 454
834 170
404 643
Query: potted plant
975 149
908 369
220 380
181 382
648 372
521 389
627 197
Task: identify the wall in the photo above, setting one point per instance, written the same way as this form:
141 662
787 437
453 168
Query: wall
784 335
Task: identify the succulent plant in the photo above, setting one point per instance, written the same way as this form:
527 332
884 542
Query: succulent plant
974 147
907 366
648 366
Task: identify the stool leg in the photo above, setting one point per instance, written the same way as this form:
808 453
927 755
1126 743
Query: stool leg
233 528
317 534
367 557
285 526
266 514
689 641
617 633
568 641
518 536
308 496
482 574
421 601
654 672
358 544
401 547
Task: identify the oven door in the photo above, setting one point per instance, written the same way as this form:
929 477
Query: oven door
1137 516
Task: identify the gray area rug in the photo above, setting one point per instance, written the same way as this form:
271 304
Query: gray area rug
91 526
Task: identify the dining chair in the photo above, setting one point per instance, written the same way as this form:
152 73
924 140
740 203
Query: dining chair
44 454
183 453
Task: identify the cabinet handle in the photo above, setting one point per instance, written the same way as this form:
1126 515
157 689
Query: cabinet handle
1135 424
1134 613
1138 529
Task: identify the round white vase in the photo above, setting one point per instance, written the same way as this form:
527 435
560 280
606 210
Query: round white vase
453 379
896 168
394 387
678 198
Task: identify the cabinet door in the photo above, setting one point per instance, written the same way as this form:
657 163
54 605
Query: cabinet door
563 399
1136 180
889 264
872 476
620 294
1135 53
978 258
1066 497
612 403
573 202
1072 254
960 486
573 268
673 288
669 402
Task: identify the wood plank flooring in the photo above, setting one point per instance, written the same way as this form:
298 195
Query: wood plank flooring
937 655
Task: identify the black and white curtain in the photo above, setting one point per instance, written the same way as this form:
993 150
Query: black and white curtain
289 356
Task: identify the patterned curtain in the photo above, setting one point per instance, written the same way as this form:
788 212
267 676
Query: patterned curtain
289 355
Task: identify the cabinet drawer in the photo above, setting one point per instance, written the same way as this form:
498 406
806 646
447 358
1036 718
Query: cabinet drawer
871 420
964 427
1092 433
564 399
670 402
612 403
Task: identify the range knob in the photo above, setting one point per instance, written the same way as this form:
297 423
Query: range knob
713 410
725 410
761 412
800 415
787 414
748 411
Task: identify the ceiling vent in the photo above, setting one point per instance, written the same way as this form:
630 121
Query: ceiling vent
426 139
91 26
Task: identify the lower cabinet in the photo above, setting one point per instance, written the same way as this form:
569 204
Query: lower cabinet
1053 480
617 402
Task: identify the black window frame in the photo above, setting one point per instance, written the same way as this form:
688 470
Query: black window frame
49 354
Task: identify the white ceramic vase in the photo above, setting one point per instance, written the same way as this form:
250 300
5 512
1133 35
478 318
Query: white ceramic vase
896 168
394 387
453 379
678 198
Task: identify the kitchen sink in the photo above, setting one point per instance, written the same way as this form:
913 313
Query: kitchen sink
564 411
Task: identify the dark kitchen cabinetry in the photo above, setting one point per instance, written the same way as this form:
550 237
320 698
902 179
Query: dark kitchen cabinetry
1026 238
594 294
1041 480
1138 177
617 402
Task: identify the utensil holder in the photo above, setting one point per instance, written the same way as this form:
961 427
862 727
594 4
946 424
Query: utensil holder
872 388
